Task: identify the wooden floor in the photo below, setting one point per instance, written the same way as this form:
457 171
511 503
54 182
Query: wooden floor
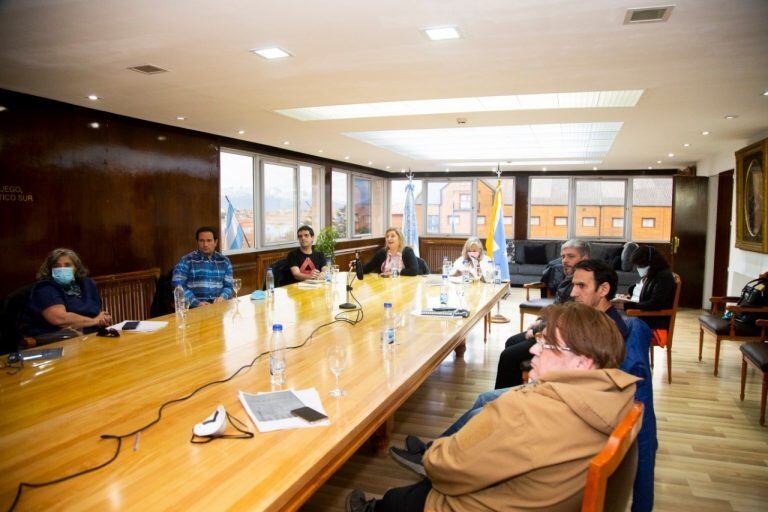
713 454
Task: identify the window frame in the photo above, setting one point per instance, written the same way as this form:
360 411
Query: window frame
573 206
351 175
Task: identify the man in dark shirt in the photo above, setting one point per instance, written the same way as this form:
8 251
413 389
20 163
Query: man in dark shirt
304 262
594 284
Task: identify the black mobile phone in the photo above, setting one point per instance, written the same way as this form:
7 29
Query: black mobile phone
130 325
443 308
309 414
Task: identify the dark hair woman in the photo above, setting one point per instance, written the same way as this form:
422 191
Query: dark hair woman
63 297
656 288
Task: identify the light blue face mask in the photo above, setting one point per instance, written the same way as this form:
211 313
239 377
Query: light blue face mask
63 275
643 271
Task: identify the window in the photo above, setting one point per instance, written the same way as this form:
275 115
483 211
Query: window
444 200
361 206
535 221
486 189
309 196
377 207
464 202
279 203
599 200
652 209
236 202
339 202
549 202
433 223
618 222
397 202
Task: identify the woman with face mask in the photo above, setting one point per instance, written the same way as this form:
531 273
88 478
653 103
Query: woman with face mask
63 297
473 260
656 288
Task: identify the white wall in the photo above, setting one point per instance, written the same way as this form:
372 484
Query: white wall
743 265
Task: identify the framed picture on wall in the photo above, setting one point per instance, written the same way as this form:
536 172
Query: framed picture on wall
752 197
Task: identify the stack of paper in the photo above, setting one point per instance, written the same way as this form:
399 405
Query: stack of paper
144 326
272 411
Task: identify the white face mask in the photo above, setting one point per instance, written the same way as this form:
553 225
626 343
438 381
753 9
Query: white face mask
642 271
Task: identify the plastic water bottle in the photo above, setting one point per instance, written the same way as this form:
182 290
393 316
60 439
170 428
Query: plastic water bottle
178 295
444 291
277 356
270 282
446 267
327 272
395 273
388 331
497 275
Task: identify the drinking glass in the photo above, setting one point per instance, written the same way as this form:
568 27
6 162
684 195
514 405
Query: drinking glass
337 361
182 306
334 272
236 284
460 287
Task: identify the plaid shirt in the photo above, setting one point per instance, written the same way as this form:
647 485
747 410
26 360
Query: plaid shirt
202 278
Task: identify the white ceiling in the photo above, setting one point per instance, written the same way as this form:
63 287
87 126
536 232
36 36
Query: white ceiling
710 59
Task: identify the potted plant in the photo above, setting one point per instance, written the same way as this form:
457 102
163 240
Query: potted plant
325 242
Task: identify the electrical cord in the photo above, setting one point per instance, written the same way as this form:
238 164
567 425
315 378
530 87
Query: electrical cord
119 438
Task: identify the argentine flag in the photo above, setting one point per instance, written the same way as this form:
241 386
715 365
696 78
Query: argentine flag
234 233
409 219
496 244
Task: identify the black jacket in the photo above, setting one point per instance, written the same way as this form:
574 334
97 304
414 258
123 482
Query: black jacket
658 293
410 262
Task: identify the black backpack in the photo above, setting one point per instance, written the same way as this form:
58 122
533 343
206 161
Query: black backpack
754 294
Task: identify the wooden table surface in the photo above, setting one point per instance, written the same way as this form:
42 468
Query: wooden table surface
54 412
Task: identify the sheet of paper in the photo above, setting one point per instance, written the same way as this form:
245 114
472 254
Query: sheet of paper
144 326
278 405
310 285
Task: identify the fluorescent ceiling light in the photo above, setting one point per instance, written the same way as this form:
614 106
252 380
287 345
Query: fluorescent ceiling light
271 53
574 141
442 33
523 163
559 100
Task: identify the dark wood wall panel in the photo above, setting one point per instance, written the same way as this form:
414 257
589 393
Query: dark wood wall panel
432 251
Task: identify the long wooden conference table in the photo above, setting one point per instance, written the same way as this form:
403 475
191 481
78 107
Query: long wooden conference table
54 412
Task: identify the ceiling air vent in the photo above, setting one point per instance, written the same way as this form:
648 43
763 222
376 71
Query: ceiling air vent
148 69
648 14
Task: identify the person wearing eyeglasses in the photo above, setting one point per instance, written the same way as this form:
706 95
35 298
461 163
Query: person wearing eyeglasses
530 448
63 298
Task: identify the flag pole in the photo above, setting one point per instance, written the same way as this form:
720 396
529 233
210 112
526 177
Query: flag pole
498 318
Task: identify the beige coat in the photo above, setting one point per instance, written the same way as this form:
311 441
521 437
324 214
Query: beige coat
530 448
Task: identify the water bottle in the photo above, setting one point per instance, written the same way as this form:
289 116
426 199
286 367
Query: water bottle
327 272
388 331
497 275
277 356
444 291
395 273
446 267
270 282
178 295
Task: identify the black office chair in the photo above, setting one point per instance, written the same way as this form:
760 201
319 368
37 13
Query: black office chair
162 301
423 267
10 318
282 273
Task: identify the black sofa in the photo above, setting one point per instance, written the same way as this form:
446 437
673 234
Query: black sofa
528 258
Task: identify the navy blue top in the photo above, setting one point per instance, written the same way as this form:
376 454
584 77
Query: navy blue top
47 293
614 315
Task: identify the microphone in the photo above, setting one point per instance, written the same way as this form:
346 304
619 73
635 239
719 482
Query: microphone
350 278
358 266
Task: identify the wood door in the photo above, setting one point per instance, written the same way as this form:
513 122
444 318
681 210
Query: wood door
723 233
689 236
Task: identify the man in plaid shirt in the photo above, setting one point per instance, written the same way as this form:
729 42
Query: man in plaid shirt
204 274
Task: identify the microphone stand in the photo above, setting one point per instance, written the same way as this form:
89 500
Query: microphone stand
349 305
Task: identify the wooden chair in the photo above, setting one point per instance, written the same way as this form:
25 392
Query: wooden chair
721 329
532 307
667 313
128 296
756 354
611 473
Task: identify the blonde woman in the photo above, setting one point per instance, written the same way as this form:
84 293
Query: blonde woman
395 254
473 260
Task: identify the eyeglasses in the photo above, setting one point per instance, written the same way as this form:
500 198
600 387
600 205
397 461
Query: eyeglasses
542 342
108 332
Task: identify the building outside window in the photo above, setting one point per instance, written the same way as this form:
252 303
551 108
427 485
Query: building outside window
444 200
649 222
600 201
279 187
361 201
588 222
561 221
618 222
652 209
535 221
549 202
486 188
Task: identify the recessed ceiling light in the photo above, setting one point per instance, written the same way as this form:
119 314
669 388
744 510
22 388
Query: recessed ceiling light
526 163
161 137
402 170
94 125
240 132
346 158
447 170
658 161
671 155
93 97
765 92
594 168
181 118
686 145
271 53
370 163
543 168
387 167
2 108
442 33
731 116
286 143
319 150
556 100
705 132
650 167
